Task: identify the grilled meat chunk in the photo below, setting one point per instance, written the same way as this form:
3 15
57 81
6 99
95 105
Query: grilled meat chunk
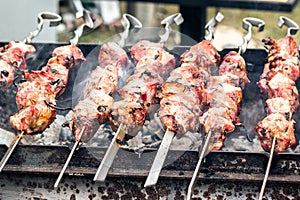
13 58
234 64
276 125
131 114
33 119
219 121
204 55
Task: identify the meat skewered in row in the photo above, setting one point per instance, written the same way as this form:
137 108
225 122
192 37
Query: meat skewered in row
224 95
278 83
114 66
92 110
182 96
139 100
182 99
139 93
47 84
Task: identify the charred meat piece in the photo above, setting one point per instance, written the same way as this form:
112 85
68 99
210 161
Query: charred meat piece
204 55
68 56
111 53
234 64
219 121
131 114
12 59
145 51
279 105
282 86
33 119
276 125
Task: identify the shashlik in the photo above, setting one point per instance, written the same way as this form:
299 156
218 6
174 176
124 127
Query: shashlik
44 86
278 83
224 95
181 95
139 95
93 109
13 58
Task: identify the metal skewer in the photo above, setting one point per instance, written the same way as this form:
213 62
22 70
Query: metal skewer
10 150
110 154
114 146
128 21
159 159
169 135
54 20
292 30
164 147
205 150
76 144
209 140
262 189
81 12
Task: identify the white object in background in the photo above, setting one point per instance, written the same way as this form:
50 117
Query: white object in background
19 17
109 10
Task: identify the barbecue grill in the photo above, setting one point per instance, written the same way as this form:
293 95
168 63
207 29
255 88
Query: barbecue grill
235 172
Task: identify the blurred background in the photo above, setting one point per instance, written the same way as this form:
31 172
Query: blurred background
19 17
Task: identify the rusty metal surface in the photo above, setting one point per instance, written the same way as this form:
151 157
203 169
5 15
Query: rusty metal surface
231 166
40 187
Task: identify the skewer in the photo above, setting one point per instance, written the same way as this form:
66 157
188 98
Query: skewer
128 21
159 159
262 189
209 140
114 146
76 144
54 20
169 135
206 149
88 22
292 30
10 150
110 155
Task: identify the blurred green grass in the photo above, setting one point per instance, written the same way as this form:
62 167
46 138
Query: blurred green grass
233 18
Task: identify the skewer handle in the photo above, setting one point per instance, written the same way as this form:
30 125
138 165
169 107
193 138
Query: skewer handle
159 159
11 148
267 170
69 159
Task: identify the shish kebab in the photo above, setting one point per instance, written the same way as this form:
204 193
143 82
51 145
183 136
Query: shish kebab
181 96
13 55
40 88
90 112
127 116
224 95
277 82
16 57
